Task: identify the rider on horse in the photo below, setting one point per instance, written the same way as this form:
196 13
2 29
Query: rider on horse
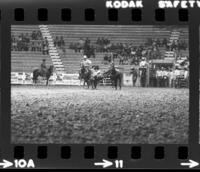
43 67
86 63
85 70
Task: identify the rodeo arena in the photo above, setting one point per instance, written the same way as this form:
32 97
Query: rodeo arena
108 84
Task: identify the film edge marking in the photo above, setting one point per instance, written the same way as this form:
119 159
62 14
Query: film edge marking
21 163
190 164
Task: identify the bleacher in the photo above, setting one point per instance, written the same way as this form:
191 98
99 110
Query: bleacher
26 61
185 37
134 34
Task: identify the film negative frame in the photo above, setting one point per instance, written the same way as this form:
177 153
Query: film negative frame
83 156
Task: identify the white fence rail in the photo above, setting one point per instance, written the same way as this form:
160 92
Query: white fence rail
22 78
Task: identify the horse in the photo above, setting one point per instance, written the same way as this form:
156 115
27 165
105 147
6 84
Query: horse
115 77
47 74
88 77
85 75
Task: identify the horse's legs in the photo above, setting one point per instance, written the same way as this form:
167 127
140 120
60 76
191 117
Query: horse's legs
95 84
115 82
120 82
88 86
35 78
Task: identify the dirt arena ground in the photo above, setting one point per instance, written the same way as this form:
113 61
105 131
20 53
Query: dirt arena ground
61 114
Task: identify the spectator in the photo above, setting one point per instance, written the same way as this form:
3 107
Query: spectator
56 41
62 44
33 35
164 43
33 46
143 63
45 46
159 77
165 77
158 43
152 77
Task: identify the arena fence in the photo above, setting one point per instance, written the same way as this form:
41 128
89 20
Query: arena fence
23 78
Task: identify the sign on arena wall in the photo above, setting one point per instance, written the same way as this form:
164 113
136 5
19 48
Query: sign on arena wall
127 79
61 79
18 77
14 78
68 79
28 79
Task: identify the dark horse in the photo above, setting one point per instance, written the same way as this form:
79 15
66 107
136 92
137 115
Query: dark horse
47 74
85 75
115 77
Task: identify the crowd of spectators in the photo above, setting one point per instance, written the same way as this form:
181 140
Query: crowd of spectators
84 46
102 41
167 44
60 43
168 77
127 53
30 42
164 74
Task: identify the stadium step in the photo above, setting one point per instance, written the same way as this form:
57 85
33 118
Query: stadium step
53 52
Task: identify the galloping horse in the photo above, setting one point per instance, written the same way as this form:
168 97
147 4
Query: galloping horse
115 77
46 74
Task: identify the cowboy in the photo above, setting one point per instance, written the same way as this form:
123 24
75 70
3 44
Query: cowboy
86 62
93 72
97 71
143 63
43 66
134 75
159 75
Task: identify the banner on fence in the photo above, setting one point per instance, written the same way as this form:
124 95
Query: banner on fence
67 79
18 77
14 78
127 79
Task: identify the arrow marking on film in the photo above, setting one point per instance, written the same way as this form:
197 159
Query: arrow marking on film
104 164
6 164
190 164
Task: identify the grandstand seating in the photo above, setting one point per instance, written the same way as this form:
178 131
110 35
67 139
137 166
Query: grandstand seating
23 61
19 29
26 61
134 34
